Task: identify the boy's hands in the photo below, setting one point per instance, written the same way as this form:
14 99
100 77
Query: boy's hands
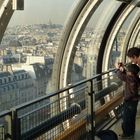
119 66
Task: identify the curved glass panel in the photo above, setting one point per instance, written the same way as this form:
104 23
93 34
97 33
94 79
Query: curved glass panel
120 45
85 61
28 49
138 40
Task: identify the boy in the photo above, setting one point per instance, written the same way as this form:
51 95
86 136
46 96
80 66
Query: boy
134 55
130 76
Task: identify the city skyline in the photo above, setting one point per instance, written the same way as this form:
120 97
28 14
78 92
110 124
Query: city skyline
56 11
42 11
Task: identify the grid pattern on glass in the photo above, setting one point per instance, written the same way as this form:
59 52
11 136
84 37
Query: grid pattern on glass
71 114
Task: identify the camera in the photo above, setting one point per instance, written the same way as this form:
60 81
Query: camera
120 64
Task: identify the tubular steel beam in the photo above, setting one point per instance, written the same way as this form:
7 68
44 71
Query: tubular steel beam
6 12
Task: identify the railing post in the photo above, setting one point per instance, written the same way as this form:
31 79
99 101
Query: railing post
91 111
8 134
2 132
15 125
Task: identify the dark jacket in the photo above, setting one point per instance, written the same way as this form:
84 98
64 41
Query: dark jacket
132 84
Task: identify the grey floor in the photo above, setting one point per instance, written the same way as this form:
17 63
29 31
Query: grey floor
117 127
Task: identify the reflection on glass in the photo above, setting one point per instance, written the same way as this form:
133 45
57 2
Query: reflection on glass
88 47
118 48
28 49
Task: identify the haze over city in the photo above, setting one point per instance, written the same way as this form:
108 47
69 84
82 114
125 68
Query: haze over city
42 11
55 11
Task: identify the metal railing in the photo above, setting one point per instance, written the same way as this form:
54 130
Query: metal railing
70 113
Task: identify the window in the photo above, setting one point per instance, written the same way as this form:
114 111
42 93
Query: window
5 80
9 79
15 78
0 81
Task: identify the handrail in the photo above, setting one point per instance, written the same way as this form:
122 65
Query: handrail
4 113
101 112
115 101
105 91
64 115
54 121
61 90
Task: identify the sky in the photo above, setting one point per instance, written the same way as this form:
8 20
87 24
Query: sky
56 11
42 11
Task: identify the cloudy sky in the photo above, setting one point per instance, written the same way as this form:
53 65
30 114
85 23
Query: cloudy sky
42 11
56 11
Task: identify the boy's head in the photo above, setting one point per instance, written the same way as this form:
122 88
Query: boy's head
133 68
133 54
135 51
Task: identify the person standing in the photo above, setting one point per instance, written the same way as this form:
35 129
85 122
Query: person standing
132 82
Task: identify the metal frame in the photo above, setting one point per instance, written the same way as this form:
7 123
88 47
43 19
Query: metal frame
71 35
6 12
131 34
65 58
135 33
124 14
27 121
